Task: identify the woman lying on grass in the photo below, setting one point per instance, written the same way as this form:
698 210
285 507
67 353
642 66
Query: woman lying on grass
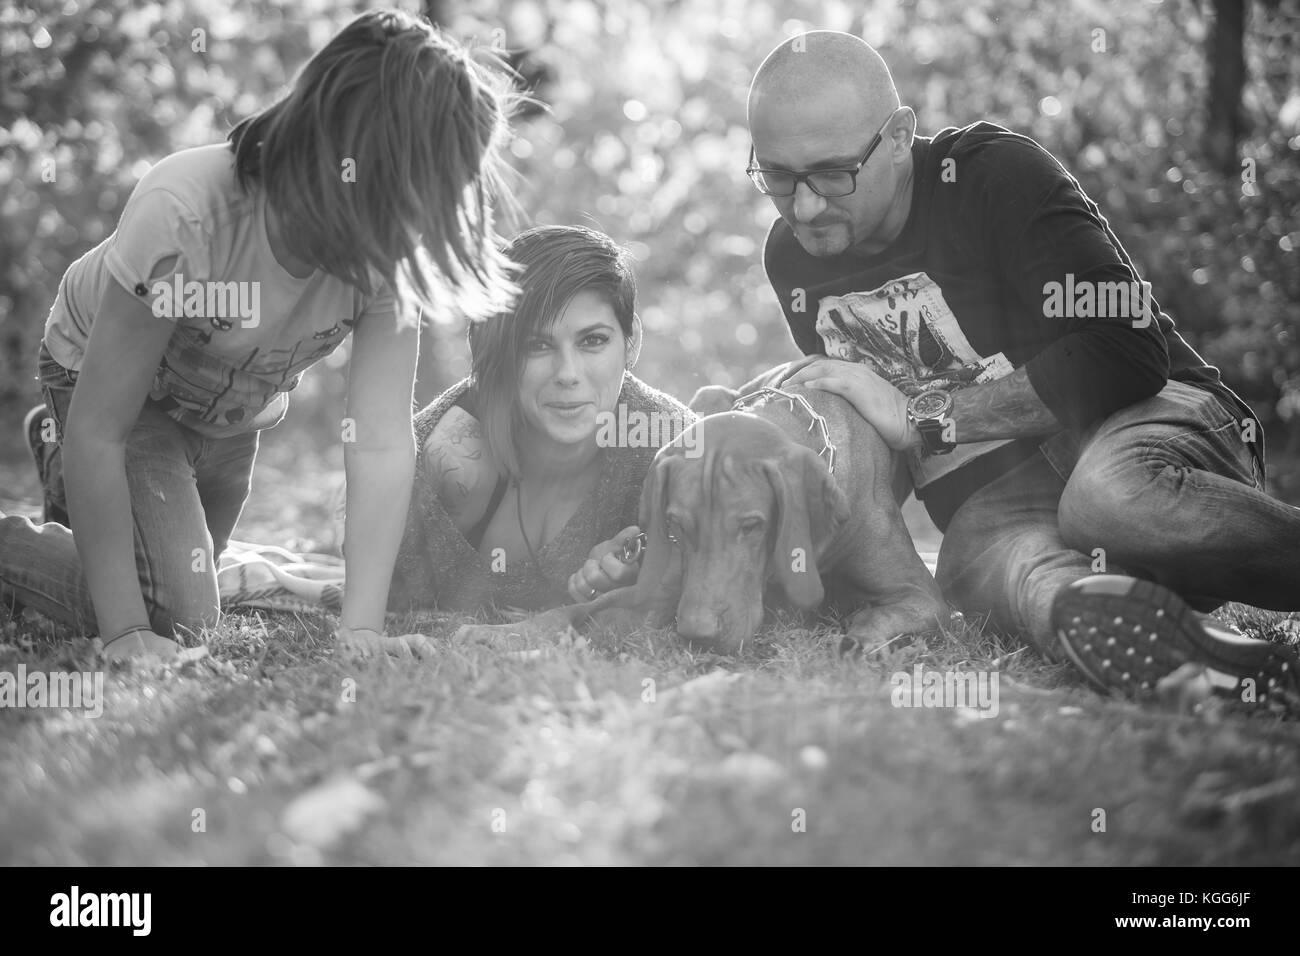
525 486
360 196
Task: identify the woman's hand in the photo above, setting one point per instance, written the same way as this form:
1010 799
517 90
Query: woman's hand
367 642
883 406
604 569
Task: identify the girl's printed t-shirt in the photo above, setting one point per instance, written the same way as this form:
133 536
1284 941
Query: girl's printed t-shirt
245 328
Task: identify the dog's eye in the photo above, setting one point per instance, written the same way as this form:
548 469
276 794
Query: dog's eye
750 525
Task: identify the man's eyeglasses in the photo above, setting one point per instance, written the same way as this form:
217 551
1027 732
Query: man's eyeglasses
830 183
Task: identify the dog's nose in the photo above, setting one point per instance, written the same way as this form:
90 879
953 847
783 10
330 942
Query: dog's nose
699 624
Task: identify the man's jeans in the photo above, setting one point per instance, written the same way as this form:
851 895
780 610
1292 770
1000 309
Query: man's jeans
186 494
1166 488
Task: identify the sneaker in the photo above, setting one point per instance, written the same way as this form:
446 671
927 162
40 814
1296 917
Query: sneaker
1125 634
42 453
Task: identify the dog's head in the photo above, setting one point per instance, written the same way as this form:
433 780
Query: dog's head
739 506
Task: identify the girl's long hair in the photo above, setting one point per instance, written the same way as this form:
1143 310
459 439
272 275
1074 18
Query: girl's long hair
382 162
556 263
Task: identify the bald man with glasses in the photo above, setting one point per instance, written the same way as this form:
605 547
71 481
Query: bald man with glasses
1098 485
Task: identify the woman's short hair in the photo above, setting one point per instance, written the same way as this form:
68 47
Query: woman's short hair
556 263
383 161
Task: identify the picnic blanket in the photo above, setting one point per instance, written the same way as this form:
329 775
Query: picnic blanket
274 579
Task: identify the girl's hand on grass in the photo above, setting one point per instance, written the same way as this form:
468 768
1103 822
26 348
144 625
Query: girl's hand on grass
361 642
367 642
140 644
411 645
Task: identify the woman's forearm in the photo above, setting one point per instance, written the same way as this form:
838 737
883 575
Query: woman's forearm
378 493
99 507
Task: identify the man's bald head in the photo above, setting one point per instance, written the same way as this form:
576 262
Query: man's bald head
824 101
826 66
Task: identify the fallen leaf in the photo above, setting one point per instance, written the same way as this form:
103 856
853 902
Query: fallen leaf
753 768
813 757
323 815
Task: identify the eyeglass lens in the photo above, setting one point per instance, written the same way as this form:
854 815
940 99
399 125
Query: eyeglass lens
828 184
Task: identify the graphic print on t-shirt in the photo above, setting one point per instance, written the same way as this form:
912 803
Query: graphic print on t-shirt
199 387
910 337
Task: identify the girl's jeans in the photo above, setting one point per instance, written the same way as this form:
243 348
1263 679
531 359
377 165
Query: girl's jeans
186 494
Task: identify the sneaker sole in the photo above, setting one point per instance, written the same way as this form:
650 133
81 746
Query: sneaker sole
33 423
34 440
1125 634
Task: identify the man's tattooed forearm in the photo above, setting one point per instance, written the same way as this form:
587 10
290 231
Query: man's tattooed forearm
1007 408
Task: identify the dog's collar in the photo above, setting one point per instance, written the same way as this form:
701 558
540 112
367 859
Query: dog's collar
818 422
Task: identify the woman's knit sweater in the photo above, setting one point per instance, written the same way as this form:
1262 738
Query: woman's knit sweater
437 567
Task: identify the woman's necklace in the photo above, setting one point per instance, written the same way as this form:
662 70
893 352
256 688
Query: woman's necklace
519 513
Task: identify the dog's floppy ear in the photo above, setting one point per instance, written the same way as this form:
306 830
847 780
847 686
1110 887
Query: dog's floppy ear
659 550
810 509
711 399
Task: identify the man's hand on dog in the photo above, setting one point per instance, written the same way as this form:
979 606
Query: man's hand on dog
365 642
604 569
876 400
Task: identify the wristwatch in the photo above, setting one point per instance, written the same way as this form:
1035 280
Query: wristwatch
929 411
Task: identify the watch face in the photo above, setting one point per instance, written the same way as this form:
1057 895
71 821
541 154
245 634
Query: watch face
929 404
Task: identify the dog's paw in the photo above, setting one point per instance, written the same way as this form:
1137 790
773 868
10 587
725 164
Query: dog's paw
871 646
543 630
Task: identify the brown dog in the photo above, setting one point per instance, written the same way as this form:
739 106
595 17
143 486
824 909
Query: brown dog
751 501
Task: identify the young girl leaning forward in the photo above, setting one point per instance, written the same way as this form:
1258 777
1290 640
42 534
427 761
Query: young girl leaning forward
360 196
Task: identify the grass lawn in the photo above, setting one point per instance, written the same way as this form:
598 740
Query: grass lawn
607 750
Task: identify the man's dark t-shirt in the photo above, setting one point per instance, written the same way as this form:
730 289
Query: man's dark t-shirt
961 297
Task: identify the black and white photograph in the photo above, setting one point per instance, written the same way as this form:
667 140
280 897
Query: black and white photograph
652 433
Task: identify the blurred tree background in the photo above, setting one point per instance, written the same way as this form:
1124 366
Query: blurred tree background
643 135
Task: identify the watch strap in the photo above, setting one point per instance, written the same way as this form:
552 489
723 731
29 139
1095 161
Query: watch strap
931 430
